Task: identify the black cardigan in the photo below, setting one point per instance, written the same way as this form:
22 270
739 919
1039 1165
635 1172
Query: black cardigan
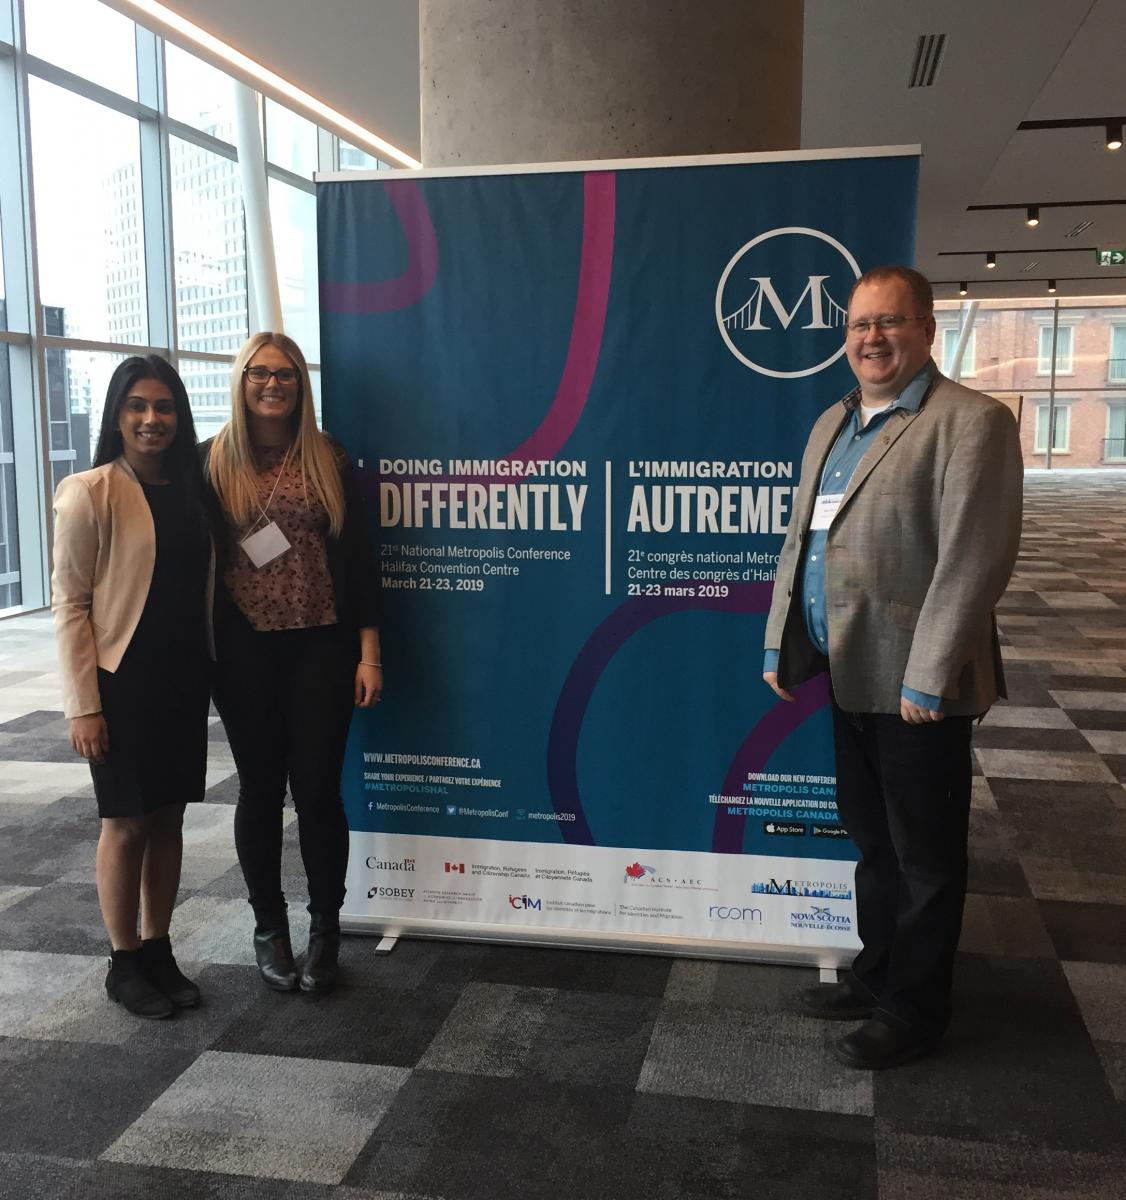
352 562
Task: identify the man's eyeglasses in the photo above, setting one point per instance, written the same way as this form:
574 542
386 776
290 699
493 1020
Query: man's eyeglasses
283 375
883 324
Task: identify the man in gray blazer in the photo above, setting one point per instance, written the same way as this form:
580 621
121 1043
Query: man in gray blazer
902 540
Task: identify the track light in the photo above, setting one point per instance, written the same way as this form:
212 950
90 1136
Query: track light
962 289
1033 217
990 260
1114 135
1051 287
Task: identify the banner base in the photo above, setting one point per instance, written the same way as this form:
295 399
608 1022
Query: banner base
827 959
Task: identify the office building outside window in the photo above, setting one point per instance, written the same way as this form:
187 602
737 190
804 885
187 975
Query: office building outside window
140 243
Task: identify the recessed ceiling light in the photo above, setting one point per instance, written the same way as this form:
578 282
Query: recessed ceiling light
990 260
1032 219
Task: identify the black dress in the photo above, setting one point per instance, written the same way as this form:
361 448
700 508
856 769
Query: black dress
156 702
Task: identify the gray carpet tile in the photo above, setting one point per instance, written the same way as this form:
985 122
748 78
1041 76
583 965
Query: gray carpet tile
74 1098
247 1114
458 1071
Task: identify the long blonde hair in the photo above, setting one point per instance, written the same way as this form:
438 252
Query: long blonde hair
230 465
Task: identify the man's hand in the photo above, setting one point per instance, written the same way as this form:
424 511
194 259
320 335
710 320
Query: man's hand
770 678
913 714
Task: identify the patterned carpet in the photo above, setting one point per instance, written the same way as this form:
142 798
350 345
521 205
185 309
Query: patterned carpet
460 1071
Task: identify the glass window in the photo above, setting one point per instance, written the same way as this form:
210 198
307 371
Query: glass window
10 595
352 158
1065 336
3 293
199 95
210 249
1115 431
209 390
87 38
91 244
76 393
1116 365
291 141
293 217
1061 432
969 360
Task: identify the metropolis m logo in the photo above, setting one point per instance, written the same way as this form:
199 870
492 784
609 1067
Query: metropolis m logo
781 303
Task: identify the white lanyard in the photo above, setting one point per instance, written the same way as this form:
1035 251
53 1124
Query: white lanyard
268 542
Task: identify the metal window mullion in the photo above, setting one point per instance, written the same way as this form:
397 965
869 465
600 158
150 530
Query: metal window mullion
290 179
1052 385
326 149
26 361
155 193
86 88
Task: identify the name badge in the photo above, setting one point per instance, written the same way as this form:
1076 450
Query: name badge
825 509
265 545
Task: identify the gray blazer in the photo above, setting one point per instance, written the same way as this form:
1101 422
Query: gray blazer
918 554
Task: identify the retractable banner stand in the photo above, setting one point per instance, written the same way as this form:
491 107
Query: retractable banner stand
578 396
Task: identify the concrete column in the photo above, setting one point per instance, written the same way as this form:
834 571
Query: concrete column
519 81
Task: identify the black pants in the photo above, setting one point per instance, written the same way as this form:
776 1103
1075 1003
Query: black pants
286 701
903 792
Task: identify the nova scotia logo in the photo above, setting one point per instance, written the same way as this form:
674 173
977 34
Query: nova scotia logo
781 303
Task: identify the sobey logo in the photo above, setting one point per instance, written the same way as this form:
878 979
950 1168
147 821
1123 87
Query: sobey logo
781 303
529 902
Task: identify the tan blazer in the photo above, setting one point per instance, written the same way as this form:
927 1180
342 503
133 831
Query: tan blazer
104 554
918 554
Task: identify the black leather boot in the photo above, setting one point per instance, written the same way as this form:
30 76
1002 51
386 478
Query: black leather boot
319 972
127 983
274 954
165 975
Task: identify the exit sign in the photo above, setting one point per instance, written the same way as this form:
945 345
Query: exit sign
1112 258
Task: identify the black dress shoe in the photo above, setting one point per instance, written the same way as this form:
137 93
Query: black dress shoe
319 972
127 983
164 974
274 955
883 1042
841 1001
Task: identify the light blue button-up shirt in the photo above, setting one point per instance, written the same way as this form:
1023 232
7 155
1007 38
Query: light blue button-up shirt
853 442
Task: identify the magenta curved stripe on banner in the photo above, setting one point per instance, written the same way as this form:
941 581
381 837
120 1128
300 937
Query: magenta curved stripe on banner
591 301
388 295
755 752
603 644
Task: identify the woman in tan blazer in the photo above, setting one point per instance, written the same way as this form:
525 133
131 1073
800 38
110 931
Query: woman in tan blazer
131 594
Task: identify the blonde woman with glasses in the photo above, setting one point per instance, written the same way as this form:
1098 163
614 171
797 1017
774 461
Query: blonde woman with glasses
297 643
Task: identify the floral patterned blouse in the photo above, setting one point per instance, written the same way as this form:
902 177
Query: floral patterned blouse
294 591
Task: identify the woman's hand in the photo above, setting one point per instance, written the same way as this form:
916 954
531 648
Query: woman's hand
369 685
89 736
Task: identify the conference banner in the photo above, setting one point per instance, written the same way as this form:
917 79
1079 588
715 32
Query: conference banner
577 397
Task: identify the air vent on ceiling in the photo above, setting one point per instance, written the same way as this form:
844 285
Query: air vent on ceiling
1079 229
928 58
1032 265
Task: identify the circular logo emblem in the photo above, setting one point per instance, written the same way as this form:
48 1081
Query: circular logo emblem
782 301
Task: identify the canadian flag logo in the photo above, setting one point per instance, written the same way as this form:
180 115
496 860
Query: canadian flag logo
455 868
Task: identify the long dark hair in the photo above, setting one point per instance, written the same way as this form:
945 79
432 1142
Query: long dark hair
182 456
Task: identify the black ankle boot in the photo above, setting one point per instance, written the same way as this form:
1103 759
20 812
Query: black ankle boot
274 954
164 974
319 971
128 984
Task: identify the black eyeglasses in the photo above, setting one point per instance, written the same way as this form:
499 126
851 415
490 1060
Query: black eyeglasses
283 375
883 324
